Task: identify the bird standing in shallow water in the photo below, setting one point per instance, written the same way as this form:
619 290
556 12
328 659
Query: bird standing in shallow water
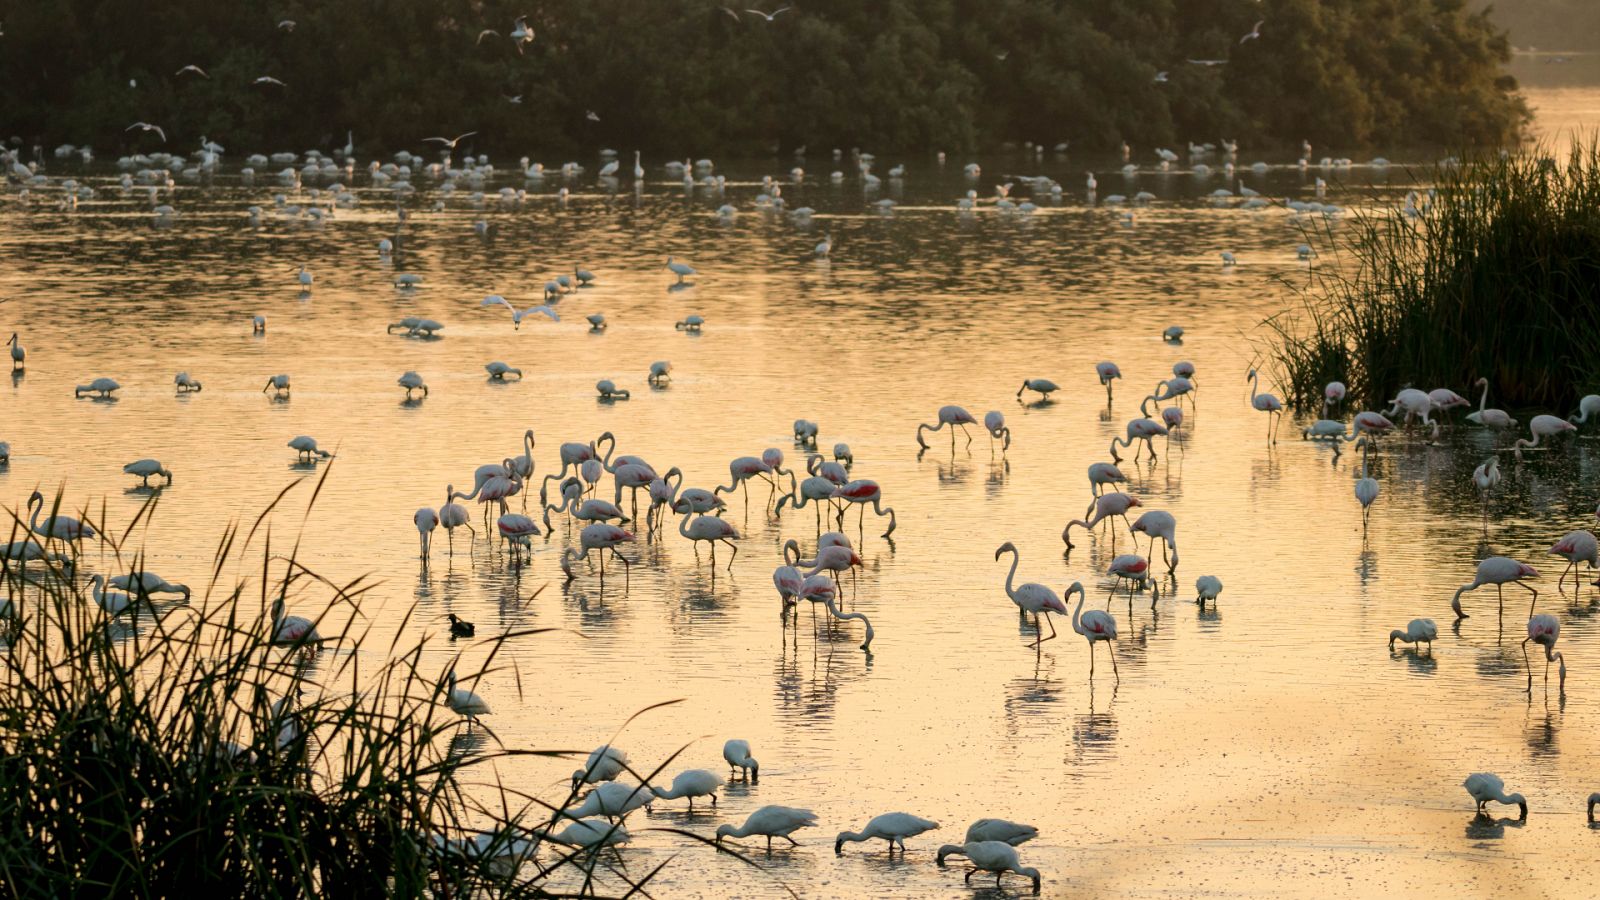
1544 630
1418 631
1498 571
770 822
737 753
1485 786
892 827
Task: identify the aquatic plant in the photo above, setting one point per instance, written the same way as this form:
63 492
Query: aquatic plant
1494 275
176 748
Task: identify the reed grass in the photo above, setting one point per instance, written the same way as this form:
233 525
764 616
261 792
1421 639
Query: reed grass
1498 276
146 754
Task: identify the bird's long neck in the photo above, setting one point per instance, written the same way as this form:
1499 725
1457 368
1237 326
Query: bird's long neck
790 546
683 527
1483 400
1076 610
1252 387
925 427
1016 560
1455 602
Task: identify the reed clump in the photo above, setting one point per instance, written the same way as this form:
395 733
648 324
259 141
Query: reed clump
178 748
1494 273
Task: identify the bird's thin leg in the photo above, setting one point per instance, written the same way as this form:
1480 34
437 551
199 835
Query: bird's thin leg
1111 652
1529 665
1530 602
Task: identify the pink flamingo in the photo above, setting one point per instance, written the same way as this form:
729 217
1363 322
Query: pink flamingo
575 454
1542 427
1104 506
1372 423
1417 404
1588 408
426 521
1333 394
833 559
496 488
994 422
292 630
953 416
1138 430
743 469
1031 597
663 492
1159 523
788 580
1095 625
453 515
632 476
602 537
1102 474
1444 400
517 529
862 492
1185 369
1544 630
773 457
711 530
1133 569
697 501
791 548
1176 386
1498 571
1575 547
1268 404
832 470
1489 418
815 490
591 510
1107 371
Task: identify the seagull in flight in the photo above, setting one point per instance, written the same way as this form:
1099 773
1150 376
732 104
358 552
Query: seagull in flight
1161 77
731 13
521 34
146 126
268 79
192 68
1207 62
485 33
517 99
517 315
592 116
451 142
287 24
769 16
1255 32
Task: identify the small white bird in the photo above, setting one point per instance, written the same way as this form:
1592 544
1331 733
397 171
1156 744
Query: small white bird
769 16
192 68
660 370
305 447
691 784
451 142
278 384
268 79
605 763
997 857
1255 32
1207 587
1486 786
411 381
612 800
1418 631
770 822
146 469
498 371
102 386
146 126
891 827
185 383
463 701
737 753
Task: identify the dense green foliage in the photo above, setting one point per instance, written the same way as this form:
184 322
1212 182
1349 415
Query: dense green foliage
680 77
1497 278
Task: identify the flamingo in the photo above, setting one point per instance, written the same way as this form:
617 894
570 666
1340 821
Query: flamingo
697 501
1176 386
1159 523
1371 424
737 753
692 783
814 490
833 558
575 453
1417 404
59 527
832 470
1333 394
1542 427
147 469
1094 625
1489 418
292 630
994 422
952 416
1418 631
1185 369
770 822
788 580
1102 474
1132 568
1588 407
1486 477
1138 430
1444 399
1107 371
495 485
426 521
1268 404
1042 386
742 469
1498 571
518 530
112 602
827 602
892 827
453 515
1366 487
1114 503
464 702
1031 597
710 529
605 763
1544 630
773 457
863 492
1484 786
1575 547
601 536
998 857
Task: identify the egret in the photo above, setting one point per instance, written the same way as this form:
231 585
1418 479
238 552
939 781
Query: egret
605 763
18 354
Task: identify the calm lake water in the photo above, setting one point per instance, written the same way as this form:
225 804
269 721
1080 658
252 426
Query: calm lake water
1269 746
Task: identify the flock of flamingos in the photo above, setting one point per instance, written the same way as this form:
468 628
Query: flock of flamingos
574 491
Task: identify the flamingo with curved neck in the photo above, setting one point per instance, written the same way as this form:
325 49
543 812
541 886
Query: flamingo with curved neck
1030 597
1095 625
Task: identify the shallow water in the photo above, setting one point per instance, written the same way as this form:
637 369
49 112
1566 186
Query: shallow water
1269 746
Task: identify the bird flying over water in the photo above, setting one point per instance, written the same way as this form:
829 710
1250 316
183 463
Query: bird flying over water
268 79
769 16
485 33
730 12
287 24
192 68
451 142
1255 32
592 116
146 126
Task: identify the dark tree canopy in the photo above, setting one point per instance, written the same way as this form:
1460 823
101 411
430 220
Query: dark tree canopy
674 76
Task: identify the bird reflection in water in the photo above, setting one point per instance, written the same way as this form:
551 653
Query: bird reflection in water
1094 733
1485 827
1540 731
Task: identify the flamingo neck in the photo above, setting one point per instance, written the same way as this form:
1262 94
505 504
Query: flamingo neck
1016 560
1076 610
1483 400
